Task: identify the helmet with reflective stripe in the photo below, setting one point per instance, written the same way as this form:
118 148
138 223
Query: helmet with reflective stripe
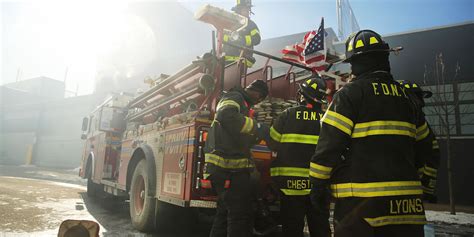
242 3
413 87
314 90
363 42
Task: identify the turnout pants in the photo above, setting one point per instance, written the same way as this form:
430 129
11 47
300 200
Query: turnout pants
234 215
349 221
293 211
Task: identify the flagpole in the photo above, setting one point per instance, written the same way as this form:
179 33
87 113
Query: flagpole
268 56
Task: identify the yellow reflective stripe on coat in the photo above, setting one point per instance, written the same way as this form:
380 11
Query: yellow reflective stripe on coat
430 171
339 121
226 38
397 220
428 190
248 126
319 171
299 138
295 192
422 132
274 134
376 189
248 40
237 58
228 163
225 103
254 32
435 145
383 128
289 171
420 171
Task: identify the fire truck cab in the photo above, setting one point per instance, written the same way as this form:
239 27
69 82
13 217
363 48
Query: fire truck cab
102 131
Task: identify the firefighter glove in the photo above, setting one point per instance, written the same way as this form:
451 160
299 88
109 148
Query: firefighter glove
235 36
429 187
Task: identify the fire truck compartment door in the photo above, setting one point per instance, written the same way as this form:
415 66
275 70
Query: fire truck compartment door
177 149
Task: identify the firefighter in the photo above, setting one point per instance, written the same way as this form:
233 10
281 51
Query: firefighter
248 37
373 124
294 136
429 169
228 163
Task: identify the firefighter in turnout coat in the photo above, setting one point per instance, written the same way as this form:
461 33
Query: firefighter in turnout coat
228 162
248 37
427 170
374 124
294 136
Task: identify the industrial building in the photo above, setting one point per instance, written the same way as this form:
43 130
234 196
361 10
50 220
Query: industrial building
38 126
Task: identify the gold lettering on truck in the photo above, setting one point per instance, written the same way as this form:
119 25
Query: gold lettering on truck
176 143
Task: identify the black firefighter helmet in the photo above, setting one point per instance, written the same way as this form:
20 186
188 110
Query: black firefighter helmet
259 86
363 42
314 90
413 87
242 3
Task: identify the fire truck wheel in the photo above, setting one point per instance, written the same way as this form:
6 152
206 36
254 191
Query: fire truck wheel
142 207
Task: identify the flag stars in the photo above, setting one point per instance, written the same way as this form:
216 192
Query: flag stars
311 51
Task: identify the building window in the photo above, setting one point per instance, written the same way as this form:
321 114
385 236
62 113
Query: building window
435 116
441 93
466 114
466 91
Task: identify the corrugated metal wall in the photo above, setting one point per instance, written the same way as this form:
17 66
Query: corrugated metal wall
50 129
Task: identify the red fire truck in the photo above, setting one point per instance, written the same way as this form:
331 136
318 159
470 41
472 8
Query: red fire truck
150 147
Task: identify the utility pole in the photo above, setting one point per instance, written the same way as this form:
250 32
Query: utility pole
18 74
65 76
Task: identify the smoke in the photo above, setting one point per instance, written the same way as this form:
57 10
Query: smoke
154 38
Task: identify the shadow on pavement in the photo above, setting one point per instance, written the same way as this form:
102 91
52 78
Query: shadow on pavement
113 216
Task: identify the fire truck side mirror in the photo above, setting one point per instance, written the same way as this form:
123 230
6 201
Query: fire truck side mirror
85 122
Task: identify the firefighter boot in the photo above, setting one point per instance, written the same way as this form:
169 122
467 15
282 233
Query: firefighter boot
264 223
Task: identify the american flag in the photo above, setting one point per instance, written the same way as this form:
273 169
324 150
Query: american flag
311 52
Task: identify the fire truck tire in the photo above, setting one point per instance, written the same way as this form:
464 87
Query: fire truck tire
142 207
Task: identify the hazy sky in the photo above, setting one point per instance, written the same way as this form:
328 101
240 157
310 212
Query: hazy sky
46 38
